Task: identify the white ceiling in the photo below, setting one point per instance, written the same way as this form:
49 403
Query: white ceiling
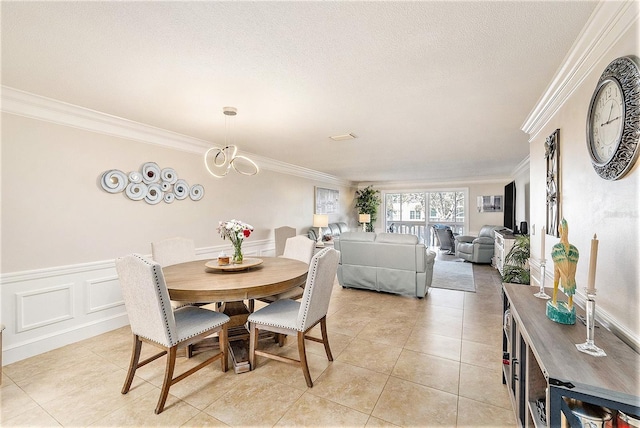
435 91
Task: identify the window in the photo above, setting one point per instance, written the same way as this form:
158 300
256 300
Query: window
406 212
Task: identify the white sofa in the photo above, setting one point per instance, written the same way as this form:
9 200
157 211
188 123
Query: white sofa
390 262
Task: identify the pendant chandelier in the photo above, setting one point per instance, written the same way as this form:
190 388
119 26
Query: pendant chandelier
219 161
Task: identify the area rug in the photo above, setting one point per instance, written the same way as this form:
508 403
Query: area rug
453 275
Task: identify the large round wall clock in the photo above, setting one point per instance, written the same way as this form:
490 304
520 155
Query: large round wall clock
613 122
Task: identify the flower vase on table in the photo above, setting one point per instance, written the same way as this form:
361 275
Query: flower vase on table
236 231
237 253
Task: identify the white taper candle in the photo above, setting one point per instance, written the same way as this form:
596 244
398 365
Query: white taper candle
593 258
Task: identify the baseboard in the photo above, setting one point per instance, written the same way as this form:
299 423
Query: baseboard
39 345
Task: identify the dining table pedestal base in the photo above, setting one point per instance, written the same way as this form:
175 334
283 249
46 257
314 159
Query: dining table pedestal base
206 282
237 335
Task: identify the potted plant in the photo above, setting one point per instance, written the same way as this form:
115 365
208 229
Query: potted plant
367 202
516 263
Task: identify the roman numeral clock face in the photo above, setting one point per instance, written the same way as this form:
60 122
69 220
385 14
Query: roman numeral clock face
613 119
608 118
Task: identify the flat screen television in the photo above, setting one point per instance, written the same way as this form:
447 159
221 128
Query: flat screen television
510 206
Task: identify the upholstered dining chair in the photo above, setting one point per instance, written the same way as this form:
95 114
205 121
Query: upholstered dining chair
154 322
172 251
291 317
298 248
281 235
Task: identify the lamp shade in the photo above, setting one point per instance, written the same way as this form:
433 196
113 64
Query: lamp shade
364 218
320 220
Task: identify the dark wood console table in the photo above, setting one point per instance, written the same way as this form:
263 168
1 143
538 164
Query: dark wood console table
542 361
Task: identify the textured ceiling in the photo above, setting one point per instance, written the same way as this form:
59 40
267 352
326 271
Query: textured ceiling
434 91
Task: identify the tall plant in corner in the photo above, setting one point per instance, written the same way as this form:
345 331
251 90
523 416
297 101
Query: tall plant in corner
367 202
516 263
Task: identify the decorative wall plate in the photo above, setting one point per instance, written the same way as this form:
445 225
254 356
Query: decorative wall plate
114 181
181 189
169 175
150 172
136 191
197 192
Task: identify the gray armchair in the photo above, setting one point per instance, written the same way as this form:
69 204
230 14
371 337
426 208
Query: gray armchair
477 249
446 238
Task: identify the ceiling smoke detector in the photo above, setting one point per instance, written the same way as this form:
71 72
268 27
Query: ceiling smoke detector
229 111
344 137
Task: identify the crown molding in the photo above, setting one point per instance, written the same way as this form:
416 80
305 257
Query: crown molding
37 107
607 24
420 185
522 167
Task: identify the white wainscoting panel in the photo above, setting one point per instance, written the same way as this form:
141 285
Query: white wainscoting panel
102 294
45 309
48 308
38 308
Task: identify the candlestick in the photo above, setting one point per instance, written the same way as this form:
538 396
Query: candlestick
589 347
591 281
543 233
541 294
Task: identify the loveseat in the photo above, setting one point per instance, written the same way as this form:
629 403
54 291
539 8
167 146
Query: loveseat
329 233
477 249
390 262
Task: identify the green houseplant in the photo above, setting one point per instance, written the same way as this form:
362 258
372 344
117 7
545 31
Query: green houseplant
367 202
516 263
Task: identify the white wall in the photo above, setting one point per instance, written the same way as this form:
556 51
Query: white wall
479 219
590 204
61 231
523 192
56 214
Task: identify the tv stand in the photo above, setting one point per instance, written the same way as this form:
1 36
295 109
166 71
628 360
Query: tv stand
504 241
541 361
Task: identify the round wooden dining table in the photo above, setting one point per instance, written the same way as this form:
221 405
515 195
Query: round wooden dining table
195 282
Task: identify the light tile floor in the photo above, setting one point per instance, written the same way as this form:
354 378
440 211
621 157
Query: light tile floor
398 361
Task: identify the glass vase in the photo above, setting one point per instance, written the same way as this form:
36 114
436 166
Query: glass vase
237 253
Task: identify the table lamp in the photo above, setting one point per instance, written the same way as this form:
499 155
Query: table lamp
320 221
364 219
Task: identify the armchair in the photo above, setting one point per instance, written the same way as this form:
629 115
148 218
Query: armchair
446 238
477 249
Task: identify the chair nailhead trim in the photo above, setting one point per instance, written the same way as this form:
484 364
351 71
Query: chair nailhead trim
162 305
314 269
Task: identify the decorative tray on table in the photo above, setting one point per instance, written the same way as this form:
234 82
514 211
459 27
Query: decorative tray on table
231 267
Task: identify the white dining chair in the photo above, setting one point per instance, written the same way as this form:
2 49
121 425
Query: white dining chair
290 317
281 235
154 322
298 248
172 251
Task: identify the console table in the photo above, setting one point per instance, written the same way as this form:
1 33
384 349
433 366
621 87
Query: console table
541 361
